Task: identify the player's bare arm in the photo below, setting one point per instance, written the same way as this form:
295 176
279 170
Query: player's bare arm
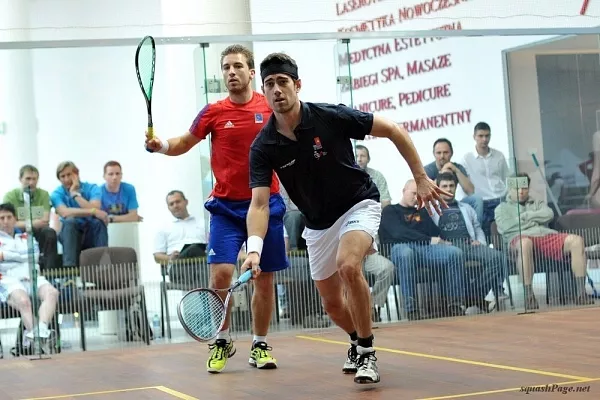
172 147
257 222
257 219
384 128
258 212
427 191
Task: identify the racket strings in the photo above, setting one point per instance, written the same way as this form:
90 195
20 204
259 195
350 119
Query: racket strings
146 59
203 313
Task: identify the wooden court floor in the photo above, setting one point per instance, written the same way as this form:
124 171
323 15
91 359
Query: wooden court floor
488 357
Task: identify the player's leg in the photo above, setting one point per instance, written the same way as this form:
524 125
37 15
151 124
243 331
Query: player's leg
335 306
49 297
223 248
353 247
322 248
263 298
273 259
357 240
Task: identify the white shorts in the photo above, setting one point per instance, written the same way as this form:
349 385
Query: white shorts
323 244
9 284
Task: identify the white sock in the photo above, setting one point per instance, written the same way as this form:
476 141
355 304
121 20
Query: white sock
354 342
260 339
224 334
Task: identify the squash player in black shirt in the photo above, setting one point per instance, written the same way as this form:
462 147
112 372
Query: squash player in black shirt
309 146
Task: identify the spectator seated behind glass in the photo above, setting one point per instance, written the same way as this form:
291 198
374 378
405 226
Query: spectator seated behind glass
78 205
182 239
15 281
522 222
119 199
40 210
363 157
415 242
443 151
459 225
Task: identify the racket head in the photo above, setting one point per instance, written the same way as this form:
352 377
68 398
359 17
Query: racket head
202 314
145 66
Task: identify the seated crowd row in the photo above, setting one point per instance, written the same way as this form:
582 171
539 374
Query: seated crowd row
409 239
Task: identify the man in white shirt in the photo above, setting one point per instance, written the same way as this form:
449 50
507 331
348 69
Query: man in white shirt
488 170
15 282
182 239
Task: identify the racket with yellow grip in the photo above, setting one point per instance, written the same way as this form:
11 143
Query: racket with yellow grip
145 61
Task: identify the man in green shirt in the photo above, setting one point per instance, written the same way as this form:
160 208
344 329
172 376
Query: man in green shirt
523 223
40 209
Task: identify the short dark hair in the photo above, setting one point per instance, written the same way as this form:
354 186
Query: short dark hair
174 192
361 147
239 49
482 126
443 140
28 168
8 207
112 164
446 176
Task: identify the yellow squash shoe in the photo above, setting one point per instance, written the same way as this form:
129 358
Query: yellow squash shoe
220 352
260 356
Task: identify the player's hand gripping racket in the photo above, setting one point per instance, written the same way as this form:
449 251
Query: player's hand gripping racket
145 60
202 312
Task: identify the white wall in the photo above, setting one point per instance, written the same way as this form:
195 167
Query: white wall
17 116
93 19
90 108
475 77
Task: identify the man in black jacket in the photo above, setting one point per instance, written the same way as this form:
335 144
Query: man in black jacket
415 241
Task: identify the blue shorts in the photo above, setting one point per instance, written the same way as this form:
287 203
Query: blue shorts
228 233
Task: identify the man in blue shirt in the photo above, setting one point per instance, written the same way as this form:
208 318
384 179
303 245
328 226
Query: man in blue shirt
78 205
459 225
119 199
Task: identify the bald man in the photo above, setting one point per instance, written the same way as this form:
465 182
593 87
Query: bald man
412 235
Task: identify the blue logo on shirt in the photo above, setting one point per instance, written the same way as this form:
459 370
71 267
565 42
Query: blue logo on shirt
258 118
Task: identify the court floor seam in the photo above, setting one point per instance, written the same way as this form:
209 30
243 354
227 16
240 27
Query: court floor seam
507 390
457 360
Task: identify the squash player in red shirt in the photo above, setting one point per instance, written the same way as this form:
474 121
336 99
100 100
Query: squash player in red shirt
234 123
